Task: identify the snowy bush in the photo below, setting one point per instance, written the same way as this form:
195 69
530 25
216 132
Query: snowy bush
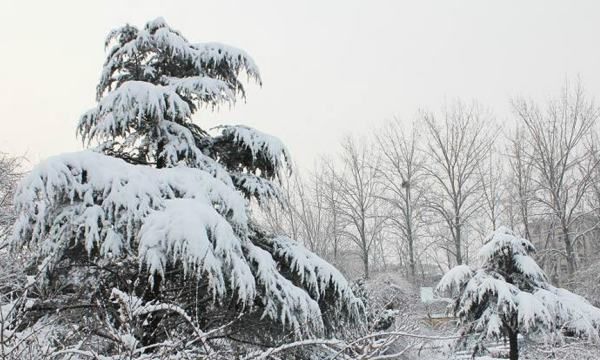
149 234
509 295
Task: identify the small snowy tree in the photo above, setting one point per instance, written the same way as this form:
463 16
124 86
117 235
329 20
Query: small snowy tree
153 226
509 294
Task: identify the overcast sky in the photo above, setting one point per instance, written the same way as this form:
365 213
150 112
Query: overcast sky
328 67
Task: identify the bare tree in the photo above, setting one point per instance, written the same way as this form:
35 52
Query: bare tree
521 167
456 148
403 178
279 216
10 173
326 176
359 195
564 166
492 186
311 210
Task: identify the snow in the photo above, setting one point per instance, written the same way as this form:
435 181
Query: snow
162 195
482 286
140 112
163 217
214 53
454 279
494 324
203 89
528 267
107 199
427 295
570 310
131 104
256 186
284 301
196 234
158 39
151 84
532 313
501 239
316 274
510 284
258 143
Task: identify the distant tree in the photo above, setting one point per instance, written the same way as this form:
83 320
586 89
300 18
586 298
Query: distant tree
359 198
326 177
313 215
403 177
509 294
301 212
148 241
492 187
280 215
564 166
10 173
12 277
456 149
521 166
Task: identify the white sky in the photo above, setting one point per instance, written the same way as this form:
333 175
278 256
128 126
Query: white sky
328 67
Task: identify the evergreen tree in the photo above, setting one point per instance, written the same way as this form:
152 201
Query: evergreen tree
509 294
152 228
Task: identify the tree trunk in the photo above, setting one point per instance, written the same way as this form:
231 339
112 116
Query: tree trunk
409 231
457 242
150 327
525 216
363 239
335 250
382 252
571 262
161 161
335 240
411 259
513 344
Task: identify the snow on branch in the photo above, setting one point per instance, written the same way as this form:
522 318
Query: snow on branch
152 82
195 234
504 239
162 201
264 151
532 313
315 274
212 54
290 305
509 294
345 349
143 109
103 201
202 89
571 311
454 279
129 107
165 217
529 268
140 55
255 186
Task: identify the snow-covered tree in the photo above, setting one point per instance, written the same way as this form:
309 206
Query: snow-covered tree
9 177
509 295
153 227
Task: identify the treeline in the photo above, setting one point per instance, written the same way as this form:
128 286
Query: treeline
422 195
